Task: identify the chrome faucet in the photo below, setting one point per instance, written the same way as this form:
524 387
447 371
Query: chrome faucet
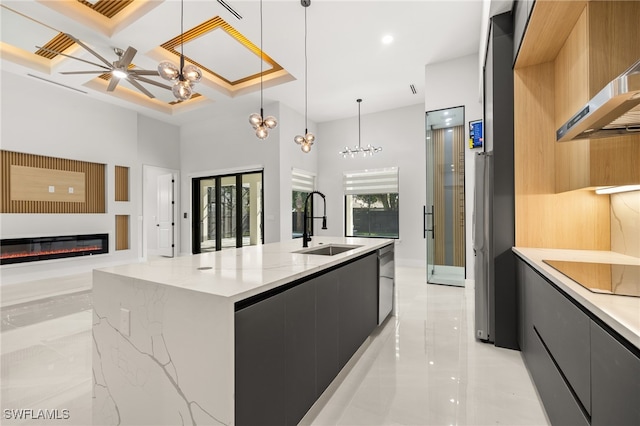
305 236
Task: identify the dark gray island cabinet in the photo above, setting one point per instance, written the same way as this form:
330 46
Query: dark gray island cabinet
586 373
292 342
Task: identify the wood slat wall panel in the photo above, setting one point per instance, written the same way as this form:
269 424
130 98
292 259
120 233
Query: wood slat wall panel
122 232
122 183
94 185
438 196
458 197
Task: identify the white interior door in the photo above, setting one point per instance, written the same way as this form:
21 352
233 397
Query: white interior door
165 219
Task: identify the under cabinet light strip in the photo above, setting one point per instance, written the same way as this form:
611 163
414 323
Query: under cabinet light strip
617 189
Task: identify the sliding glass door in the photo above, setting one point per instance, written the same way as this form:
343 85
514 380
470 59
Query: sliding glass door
227 211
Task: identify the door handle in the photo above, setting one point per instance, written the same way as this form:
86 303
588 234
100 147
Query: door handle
424 223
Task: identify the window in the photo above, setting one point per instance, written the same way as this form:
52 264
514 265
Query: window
302 183
371 203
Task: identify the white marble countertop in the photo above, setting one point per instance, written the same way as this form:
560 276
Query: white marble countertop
621 313
239 273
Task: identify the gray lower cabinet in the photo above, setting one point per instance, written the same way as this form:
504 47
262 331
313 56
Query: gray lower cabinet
357 305
615 376
584 375
327 366
300 351
542 347
290 345
260 353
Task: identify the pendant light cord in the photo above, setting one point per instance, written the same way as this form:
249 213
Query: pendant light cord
306 128
359 132
261 61
181 38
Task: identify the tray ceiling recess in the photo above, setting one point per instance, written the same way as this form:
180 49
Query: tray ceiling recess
226 57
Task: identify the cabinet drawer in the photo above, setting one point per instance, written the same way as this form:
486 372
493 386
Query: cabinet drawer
615 376
565 330
559 403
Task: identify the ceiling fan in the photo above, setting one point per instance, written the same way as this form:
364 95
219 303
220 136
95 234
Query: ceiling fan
119 69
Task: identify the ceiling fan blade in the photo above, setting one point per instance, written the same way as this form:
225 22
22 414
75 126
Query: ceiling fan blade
85 72
73 57
143 72
113 82
88 49
149 81
140 88
127 57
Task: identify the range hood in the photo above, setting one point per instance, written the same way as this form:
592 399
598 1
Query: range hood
614 111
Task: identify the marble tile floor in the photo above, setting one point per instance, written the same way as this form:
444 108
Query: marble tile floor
422 367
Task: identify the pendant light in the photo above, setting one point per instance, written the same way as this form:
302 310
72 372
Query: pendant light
307 140
184 77
260 125
368 150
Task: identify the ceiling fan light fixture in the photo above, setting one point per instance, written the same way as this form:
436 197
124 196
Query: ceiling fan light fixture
119 73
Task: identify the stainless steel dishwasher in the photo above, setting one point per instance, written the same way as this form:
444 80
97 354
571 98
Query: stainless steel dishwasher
386 281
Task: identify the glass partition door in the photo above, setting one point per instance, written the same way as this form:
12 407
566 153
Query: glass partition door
444 211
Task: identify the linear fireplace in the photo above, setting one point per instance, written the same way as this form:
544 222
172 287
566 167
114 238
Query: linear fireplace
18 250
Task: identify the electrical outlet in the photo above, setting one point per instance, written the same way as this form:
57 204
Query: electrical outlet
52 188
125 321
71 190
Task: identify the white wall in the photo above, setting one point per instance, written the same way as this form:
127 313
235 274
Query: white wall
43 119
450 84
228 144
400 133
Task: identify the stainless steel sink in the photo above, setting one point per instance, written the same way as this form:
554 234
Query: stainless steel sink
328 249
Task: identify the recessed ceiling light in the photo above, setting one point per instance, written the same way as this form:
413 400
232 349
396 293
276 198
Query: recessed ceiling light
387 39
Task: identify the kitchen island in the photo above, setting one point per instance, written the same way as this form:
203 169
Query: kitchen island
195 339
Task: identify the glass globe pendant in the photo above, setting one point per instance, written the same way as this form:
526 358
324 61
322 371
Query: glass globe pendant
260 124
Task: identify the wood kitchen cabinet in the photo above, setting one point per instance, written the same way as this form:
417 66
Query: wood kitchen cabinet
585 373
569 51
603 43
289 346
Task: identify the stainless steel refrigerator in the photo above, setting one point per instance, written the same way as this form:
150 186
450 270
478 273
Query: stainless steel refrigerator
483 247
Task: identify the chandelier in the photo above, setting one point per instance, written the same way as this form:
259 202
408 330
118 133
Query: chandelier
367 150
185 76
259 124
305 141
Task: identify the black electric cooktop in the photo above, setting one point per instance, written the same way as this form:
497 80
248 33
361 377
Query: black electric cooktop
604 278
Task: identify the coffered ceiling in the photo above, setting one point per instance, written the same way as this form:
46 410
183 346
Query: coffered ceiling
345 54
